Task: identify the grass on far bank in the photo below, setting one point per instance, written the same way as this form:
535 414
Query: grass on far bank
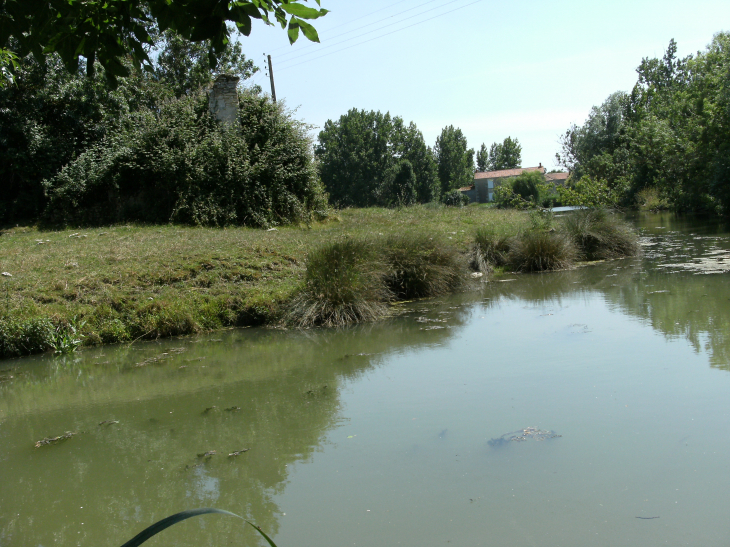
123 283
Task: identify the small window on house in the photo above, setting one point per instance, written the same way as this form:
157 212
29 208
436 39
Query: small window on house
491 196
490 184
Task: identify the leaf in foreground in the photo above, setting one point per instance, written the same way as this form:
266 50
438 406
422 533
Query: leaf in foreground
159 526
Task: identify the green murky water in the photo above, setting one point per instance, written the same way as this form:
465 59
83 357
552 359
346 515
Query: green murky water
384 434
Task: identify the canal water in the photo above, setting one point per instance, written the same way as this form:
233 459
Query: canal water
398 432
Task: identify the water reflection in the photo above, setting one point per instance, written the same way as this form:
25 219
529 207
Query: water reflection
269 395
273 396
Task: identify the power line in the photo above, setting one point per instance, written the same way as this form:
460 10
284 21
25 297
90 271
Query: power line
381 36
315 46
368 32
353 21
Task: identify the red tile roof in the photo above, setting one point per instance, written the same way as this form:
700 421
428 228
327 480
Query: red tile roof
466 188
556 176
506 173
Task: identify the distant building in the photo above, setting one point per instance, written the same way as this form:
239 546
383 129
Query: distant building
482 191
556 178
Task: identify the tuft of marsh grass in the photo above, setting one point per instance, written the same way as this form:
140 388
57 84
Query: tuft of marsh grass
491 247
419 266
599 235
344 284
541 250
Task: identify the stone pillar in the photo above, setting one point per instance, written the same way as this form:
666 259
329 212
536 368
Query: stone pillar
223 98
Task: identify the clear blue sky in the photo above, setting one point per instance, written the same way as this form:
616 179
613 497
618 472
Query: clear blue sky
527 69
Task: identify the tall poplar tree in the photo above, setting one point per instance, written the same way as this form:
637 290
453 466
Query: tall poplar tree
454 159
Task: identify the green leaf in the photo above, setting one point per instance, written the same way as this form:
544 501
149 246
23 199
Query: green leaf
161 525
300 10
260 531
244 25
309 31
293 31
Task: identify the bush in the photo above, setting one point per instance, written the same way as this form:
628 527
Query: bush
539 250
179 165
421 266
344 283
599 235
527 185
455 199
25 336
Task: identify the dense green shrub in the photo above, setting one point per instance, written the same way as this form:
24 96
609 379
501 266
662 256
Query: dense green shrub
20 336
455 198
420 266
47 119
180 165
527 185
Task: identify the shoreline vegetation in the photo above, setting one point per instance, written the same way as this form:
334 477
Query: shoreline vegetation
62 289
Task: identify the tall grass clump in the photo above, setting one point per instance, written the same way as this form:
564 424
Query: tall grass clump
344 283
490 249
419 266
541 247
541 250
599 235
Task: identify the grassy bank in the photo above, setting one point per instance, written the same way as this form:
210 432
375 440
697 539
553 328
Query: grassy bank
123 283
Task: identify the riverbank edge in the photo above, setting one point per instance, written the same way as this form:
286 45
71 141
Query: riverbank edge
250 279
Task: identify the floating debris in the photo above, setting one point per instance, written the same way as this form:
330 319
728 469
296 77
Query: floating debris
207 454
522 435
232 409
109 422
209 409
160 357
52 440
238 452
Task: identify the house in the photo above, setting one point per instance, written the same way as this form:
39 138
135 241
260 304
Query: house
556 178
482 191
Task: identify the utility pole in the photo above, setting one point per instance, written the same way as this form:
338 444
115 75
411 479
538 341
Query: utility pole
271 77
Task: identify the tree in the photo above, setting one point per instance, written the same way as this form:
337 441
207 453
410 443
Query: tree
455 161
363 154
483 159
507 155
112 30
186 67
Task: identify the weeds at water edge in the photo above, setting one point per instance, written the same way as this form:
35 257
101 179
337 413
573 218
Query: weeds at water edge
344 284
420 266
599 235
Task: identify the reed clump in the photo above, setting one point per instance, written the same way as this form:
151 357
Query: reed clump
539 250
491 248
344 283
419 266
599 235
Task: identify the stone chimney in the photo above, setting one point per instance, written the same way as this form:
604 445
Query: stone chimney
223 98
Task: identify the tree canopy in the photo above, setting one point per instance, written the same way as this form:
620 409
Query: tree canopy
504 155
108 31
74 151
455 160
670 134
370 158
